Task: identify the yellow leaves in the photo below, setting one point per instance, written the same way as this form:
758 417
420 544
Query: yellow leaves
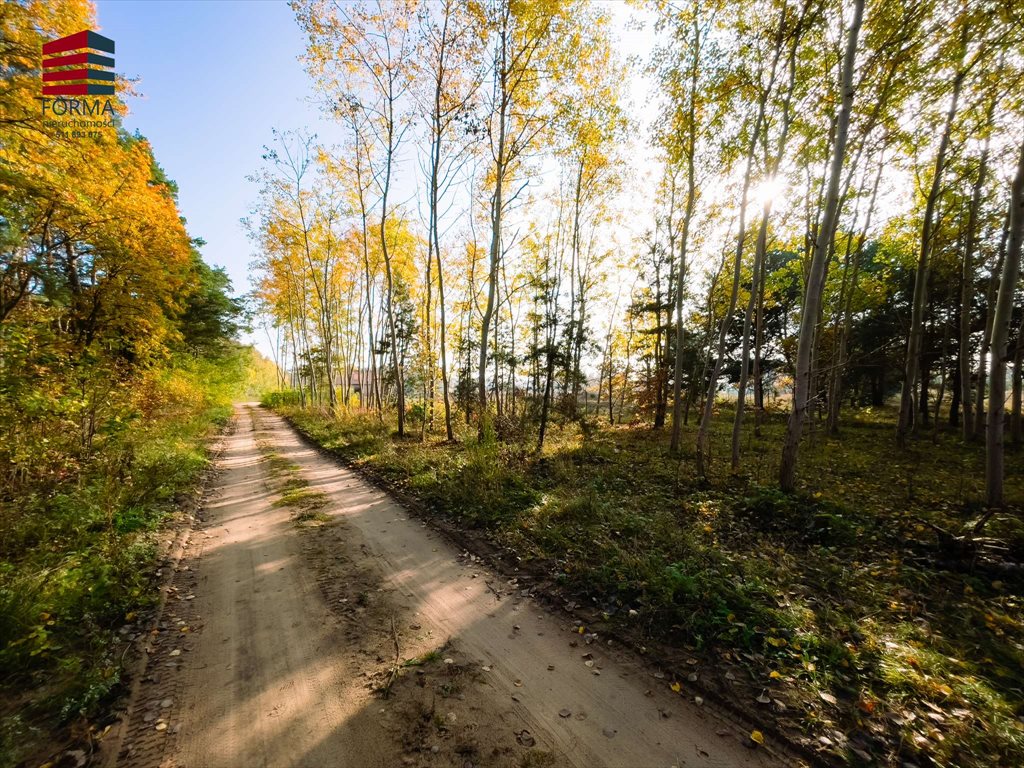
775 675
676 687
757 737
944 689
777 642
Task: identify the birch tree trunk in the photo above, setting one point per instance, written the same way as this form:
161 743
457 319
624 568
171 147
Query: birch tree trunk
703 432
908 401
684 235
497 203
967 287
1018 385
842 342
983 351
819 262
753 313
1000 335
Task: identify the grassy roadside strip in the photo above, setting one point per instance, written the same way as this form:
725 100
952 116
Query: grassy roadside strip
79 564
285 479
809 614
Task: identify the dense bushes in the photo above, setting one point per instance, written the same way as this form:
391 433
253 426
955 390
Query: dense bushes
77 545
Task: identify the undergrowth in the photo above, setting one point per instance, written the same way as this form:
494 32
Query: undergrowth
834 601
77 551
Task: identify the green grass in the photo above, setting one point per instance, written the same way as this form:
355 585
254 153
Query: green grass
426 658
307 505
831 594
301 497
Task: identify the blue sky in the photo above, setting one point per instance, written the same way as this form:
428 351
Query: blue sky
214 79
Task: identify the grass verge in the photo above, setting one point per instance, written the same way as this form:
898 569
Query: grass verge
829 614
306 505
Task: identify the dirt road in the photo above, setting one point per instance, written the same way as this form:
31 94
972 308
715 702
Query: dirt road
280 638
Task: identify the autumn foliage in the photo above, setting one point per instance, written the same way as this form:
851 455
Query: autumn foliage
109 325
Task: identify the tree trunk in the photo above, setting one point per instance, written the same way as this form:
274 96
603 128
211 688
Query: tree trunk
954 399
677 380
983 351
819 263
396 365
1000 334
435 244
942 379
497 203
703 432
967 284
907 419
549 379
1015 397
756 292
843 332
741 391
658 380
374 387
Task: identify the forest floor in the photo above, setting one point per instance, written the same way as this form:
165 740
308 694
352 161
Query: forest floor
831 619
312 621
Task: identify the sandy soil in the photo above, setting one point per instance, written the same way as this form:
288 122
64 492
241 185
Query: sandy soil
362 638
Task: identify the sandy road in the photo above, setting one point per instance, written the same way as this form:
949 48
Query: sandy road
276 634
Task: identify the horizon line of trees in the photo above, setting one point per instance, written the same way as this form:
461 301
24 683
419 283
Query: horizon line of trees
836 202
